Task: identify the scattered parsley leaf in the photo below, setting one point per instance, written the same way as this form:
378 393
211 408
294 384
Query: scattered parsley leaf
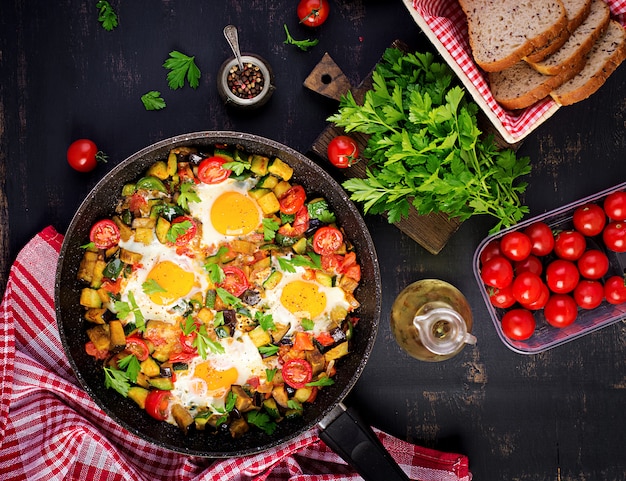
116 379
228 298
237 166
187 194
262 421
268 350
106 15
152 100
322 381
131 365
219 319
151 286
216 273
181 67
89 245
303 45
266 321
123 309
177 230
320 210
231 399
293 404
270 373
313 261
270 226
307 324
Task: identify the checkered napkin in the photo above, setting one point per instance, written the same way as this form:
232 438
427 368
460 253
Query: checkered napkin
50 429
444 22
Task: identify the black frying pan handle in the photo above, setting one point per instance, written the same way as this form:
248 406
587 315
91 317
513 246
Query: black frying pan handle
352 439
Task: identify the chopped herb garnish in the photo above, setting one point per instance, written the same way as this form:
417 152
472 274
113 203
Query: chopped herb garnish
116 379
307 324
131 365
106 15
177 230
151 286
270 226
227 298
187 194
152 100
268 350
303 45
266 321
320 210
181 67
262 421
322 381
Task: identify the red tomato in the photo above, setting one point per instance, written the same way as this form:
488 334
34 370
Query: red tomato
502 298
184 232
297 372
104 234
327 240
541 238
530 264
157 404
526 287
589 294
515 245
210 170
589 219
491 249
615 290
343 152
593 264
313 13
497 272
560 310
562 276
518 324
569 245
299 225
292 200
614 236
138 347
615 205
90 348
235 281
83 155
541 301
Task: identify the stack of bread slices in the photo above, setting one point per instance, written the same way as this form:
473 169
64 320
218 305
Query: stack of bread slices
532 49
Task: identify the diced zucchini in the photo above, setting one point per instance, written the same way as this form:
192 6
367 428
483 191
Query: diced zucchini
130 257
272 281
99 335
303 394
128 190
163 383
125 231
280 169
269 203
139 395
300 246
116 333
172 164
268 181
293 413
279 393
259 164
225 154
325 279
144 235
96 281
90 298
158 170
143 222
87 266
259 336
95 315
243 246
336 352
151 183
150 367
205 315
271 408
261 264
257 192
282 187
338 313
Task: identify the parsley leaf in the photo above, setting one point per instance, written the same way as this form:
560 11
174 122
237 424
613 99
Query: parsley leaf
270 373
266 321
322 381
123 309
268 350
151 286
216 273
303 45
313 261
187 194
237 166
131 365
307 324
152 100
177 230
270 226
320 210
262 421
116 379
106 15
181 66
227 298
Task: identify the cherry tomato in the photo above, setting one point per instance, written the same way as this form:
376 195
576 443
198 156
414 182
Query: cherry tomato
343 152
327 240
90 348
292 200
589 294
589 219
497 272
541 301
157 404
593 264
515 245
491 249
104 234
615 290
211 170
560 310
518 324
541 238
569 245
562 276
530 264
297 372
138 347
614 236
299 225
615 205
313 13
235 281
502 298
83 155
526 287
183 229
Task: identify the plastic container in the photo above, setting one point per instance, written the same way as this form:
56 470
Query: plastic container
546 336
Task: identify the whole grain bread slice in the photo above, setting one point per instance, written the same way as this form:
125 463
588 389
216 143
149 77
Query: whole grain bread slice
501 32
576 11
580 41
602 60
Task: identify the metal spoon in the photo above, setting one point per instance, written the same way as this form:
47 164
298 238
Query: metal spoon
230 32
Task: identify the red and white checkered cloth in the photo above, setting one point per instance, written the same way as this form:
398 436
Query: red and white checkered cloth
50 429
445 24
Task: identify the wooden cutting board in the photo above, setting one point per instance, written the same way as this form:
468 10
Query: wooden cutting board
430 231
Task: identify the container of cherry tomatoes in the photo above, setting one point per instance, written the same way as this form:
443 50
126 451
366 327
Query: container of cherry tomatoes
559 276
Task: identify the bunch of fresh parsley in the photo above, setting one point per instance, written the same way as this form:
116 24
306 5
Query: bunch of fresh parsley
425 147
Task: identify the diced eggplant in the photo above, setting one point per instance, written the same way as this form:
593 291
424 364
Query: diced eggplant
230 318
182 417
99 335
279 393
317 361
251 297
244 401
238 427
314 224
338 335
166 371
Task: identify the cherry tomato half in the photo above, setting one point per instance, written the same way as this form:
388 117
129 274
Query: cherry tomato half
292 200
313 13
589 219
83 155
615 290
562 276
235 281
589 294
497 272
299 225
569 245
541 238
560 310
518 324
327 240
614 236
104 234
515 245
593 264
343 152
615 205
297 372
210 170
138 347
157 404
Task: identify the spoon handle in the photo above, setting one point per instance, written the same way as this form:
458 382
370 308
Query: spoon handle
230 32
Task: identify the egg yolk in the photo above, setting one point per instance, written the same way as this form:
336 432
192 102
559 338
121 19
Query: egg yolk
234 213
300 297
214 378
173 282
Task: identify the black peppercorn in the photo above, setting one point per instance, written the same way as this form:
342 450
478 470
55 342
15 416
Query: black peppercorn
245 84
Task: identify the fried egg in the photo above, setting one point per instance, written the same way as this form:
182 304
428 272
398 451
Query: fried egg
226 211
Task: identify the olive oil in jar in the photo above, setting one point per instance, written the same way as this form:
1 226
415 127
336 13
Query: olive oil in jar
432 320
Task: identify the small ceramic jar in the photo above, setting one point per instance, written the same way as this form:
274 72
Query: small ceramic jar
250 88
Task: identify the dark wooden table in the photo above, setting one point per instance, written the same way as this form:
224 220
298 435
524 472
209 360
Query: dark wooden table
556 415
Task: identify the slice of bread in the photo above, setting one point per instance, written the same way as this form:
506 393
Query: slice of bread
521 86
580 41
576 11
502 32
602 60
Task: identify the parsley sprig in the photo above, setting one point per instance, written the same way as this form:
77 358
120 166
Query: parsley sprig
301 44
123 309
187 194
425 147
106 15
202 342
181 67
313 261
152 100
